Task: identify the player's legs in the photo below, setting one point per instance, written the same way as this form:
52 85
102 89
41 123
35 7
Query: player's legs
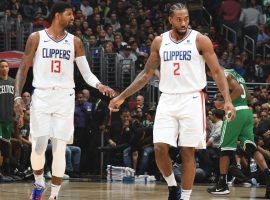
39 145
192 135
62 133
165 134
188 170
58 165
230 132
40 129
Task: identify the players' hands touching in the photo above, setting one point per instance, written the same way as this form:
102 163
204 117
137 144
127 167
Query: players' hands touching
230 111
106 90
115 103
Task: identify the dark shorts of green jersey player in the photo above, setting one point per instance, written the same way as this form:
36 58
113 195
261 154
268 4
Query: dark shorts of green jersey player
6 130
239 129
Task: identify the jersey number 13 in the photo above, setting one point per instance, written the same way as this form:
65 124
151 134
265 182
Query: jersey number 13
56 66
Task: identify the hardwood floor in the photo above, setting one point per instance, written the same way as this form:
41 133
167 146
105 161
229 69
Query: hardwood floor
120 191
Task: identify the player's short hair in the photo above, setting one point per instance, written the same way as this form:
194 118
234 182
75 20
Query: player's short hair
59 7
177 6
2 60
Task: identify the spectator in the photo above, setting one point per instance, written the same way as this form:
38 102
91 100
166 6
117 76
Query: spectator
126 54
229 12
258 75
262 38
15 8
24 133
86 9
109 33
82 118
26 97
29 10
73 160
238 66
251 18
113 21
224 60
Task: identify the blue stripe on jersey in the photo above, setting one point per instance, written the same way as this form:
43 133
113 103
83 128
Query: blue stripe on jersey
54 39
177 42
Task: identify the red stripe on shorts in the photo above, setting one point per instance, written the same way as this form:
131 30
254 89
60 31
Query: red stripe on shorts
203 113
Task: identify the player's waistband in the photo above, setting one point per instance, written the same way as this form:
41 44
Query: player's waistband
241 107
52 88
192 92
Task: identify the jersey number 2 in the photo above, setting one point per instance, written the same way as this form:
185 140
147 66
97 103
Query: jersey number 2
56 66
176 70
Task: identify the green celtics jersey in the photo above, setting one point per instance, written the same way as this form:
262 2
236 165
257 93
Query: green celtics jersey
242 100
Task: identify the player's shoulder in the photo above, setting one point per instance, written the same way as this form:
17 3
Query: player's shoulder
34 36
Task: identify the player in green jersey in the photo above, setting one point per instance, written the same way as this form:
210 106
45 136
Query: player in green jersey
239 129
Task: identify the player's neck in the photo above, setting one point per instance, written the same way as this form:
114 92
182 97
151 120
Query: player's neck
176 36
56 32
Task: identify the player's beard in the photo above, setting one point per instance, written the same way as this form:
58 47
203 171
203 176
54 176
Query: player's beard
181 33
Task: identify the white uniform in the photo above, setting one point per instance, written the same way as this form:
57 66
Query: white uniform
181 108
53 100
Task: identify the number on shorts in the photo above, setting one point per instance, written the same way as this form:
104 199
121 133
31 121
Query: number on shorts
56 66
176 70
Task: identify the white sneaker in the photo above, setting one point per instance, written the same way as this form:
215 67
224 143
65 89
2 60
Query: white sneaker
66 177
52 198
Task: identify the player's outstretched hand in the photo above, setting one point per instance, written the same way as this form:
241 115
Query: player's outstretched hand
19 107
230 111
115 103
106 90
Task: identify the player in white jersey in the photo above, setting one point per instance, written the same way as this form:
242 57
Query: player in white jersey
52 53
180 113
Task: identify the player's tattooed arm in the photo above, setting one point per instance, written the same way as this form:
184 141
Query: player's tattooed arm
79 48
27 61
145 75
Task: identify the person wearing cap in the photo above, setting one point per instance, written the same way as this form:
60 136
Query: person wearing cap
238 66
125 56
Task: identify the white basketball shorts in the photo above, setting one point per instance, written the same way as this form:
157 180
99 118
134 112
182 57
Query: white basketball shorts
52 113
181 117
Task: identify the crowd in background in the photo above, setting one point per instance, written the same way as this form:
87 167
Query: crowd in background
127 27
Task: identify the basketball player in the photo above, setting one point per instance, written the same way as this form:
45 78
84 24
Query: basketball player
241 128
6 113
52 53
181 54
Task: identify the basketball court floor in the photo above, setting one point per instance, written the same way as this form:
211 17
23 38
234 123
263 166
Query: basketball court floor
120 191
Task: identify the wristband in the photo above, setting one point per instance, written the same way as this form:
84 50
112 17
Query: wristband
16 98
98 84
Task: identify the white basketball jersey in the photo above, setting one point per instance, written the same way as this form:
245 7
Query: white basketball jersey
182 68
53 64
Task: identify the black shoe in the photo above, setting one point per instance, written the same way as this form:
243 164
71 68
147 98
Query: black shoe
267 194
219 189
5 179
174 193
267 182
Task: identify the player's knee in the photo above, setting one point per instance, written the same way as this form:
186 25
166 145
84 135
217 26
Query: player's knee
226 153
250 149
161 149
39 145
